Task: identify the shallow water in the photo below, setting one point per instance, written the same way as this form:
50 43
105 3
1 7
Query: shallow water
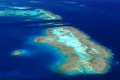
99 19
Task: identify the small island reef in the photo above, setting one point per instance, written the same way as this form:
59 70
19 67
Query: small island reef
84 56
40 14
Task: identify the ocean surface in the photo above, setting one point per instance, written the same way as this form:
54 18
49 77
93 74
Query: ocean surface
100 19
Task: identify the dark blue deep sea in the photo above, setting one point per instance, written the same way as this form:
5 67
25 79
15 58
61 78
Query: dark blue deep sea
100 19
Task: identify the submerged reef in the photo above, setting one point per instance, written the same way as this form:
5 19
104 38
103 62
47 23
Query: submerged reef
22 8
34 14
20 52
83 55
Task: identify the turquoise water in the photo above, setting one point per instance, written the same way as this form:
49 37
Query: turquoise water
99 19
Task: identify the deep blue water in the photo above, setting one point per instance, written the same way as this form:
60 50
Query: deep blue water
100 19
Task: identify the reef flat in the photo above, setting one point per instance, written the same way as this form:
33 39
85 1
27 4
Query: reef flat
84 55
34 14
